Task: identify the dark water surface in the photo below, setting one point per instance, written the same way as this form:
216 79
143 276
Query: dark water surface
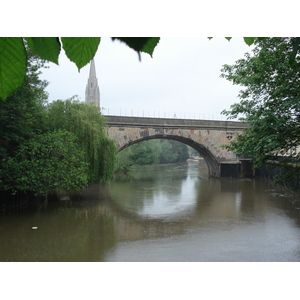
160 213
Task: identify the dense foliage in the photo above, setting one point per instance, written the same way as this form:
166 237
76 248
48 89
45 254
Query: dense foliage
152 152
22 114
47 148
270 103
88 125
47 162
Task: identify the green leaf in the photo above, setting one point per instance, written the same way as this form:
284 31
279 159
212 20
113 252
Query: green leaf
150 45
249 40
80 50
140 44
296 44
228 38
12 65
261 38
45 47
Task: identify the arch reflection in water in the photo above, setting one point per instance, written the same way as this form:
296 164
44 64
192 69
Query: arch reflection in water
157 191
219 220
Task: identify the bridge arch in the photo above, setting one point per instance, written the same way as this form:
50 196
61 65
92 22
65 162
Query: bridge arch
211 161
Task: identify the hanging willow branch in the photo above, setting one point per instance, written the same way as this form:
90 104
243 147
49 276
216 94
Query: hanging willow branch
85 121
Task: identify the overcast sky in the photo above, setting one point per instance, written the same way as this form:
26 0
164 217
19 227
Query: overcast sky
182 78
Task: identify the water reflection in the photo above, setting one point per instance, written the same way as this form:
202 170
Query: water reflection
230 199
223 220
160 213
170 191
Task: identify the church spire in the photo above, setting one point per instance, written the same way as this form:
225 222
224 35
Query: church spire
92 93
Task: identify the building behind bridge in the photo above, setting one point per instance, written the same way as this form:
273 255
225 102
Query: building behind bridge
92 92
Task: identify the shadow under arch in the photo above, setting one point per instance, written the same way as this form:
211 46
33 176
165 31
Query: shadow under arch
212 163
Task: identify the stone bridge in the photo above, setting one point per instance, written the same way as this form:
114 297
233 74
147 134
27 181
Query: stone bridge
205 136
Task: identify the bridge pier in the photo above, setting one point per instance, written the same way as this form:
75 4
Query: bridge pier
242 168
230 170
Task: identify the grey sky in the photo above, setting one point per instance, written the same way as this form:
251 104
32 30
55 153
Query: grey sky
182 78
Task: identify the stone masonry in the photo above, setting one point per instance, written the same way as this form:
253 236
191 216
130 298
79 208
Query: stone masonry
207 137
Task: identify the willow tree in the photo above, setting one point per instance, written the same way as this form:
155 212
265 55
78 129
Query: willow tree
88 125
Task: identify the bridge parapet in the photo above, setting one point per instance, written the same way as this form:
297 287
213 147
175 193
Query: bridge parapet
174 122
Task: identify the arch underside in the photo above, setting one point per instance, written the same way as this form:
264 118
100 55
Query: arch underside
212 163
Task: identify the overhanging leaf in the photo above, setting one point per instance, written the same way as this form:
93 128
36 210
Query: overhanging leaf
150 45
140 44
249 40
80 50
45 47
12 65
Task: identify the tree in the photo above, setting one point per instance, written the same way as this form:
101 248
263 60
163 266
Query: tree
88 125
143 153
32 159
39 152
180 149
156 151
167 154
46 163
270 103
22 114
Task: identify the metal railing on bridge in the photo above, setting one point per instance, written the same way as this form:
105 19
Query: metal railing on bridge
162 114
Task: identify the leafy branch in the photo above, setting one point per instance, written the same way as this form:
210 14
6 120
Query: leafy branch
80 50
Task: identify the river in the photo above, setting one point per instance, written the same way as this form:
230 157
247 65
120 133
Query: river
160 213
